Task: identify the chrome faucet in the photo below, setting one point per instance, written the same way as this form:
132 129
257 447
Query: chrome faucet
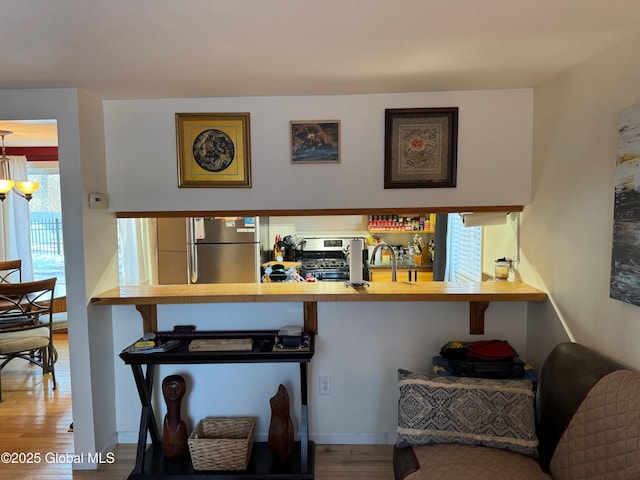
394 260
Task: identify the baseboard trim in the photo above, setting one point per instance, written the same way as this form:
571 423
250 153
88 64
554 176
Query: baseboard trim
375 438
91 460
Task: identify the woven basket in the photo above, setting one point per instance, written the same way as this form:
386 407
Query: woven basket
222 443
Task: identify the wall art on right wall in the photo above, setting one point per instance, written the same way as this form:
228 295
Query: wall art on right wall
625 256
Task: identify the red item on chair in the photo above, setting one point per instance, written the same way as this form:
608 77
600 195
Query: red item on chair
491 350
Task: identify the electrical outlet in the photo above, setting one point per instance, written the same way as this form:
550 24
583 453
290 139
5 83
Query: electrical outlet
324 385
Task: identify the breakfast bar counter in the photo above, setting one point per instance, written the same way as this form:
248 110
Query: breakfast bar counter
478 294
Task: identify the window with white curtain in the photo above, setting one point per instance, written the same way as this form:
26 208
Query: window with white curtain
137 251
464 251
14 225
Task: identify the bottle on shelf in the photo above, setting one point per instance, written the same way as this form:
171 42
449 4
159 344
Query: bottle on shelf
425 223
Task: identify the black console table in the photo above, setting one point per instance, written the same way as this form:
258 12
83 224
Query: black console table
150 463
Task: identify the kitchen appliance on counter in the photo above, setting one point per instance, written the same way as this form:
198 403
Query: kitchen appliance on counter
325 259
209 250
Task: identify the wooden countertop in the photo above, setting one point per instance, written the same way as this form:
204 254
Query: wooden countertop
320 292
478 294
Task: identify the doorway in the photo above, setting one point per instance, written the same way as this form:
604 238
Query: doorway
36 142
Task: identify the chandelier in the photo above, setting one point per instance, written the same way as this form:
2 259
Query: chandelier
24 189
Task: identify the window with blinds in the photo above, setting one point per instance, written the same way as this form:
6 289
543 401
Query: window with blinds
464 251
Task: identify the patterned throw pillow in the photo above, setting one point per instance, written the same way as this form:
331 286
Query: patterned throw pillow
472 411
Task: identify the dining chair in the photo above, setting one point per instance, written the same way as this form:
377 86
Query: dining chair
10 271
26 325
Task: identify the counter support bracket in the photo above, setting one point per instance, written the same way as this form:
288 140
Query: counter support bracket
311 317
149 315
476 317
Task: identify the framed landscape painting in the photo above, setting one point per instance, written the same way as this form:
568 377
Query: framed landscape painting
315 141
213 150
421 147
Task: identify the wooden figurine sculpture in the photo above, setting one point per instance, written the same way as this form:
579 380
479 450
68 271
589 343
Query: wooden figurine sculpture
174 430
281 427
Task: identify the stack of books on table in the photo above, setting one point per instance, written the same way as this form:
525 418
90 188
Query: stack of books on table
152 346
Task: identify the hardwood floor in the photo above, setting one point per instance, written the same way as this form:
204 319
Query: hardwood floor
35 419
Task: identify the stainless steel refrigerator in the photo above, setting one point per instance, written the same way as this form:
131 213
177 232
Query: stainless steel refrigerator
224 250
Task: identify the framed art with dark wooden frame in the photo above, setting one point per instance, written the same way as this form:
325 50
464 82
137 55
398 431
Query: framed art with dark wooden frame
315 141
420 147
213 150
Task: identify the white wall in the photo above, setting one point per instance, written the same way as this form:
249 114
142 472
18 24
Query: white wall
500 241
567 231
494 142
101 272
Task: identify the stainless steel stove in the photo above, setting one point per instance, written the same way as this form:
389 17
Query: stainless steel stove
326 259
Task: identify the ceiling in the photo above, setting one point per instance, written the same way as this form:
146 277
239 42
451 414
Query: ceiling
124 49
30 133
